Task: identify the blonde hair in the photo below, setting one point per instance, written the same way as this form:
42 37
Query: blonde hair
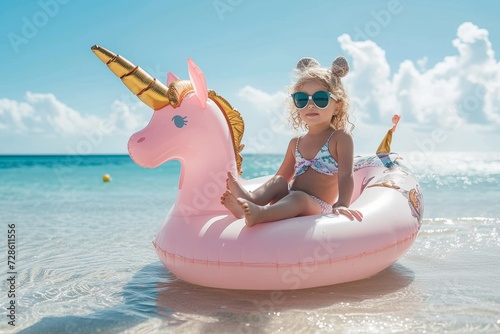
309 70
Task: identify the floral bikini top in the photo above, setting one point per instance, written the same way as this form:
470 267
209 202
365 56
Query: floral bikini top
323 162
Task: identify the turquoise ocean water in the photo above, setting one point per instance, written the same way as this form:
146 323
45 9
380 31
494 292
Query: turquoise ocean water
84 260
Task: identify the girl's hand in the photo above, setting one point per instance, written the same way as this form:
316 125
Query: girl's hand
349 213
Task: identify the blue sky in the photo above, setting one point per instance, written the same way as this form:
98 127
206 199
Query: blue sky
434 62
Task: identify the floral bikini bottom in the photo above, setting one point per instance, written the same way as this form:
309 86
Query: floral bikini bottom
325 207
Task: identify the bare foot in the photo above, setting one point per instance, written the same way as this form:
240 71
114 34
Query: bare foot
251 211
235 188
230 202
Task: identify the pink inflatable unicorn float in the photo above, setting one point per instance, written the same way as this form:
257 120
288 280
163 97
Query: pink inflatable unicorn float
202 243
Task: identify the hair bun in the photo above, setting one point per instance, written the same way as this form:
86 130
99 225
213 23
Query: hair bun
340 67
306 62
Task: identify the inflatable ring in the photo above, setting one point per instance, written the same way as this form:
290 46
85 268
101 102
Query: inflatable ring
202 243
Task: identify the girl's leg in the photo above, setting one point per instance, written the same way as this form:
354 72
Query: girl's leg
296 203
272 191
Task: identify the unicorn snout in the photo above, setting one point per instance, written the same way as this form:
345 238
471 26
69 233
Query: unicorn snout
142 150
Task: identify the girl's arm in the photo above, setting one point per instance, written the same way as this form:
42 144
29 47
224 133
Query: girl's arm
345 160
287 168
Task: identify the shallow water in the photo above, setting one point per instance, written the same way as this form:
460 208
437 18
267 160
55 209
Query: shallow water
85 262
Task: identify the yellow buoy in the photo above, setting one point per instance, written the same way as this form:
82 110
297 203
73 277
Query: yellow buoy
106 178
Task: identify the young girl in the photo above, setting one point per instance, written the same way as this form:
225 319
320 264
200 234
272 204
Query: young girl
316 175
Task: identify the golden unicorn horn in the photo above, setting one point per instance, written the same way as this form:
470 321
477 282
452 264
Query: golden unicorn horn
146 88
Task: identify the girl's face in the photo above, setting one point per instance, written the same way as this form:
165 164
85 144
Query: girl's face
311 114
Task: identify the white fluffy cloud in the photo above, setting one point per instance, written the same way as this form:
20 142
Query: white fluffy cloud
44 114
266 125
460 90
460 93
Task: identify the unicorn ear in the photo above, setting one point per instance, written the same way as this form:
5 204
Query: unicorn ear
199 83
171 78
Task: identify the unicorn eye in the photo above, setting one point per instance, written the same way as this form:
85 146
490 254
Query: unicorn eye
179 121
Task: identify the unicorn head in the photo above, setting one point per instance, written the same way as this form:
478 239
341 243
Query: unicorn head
190 123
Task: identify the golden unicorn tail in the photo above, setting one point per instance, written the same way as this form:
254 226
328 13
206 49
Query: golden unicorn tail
385 145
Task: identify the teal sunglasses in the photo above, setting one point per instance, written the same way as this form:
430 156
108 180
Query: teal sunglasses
321 99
